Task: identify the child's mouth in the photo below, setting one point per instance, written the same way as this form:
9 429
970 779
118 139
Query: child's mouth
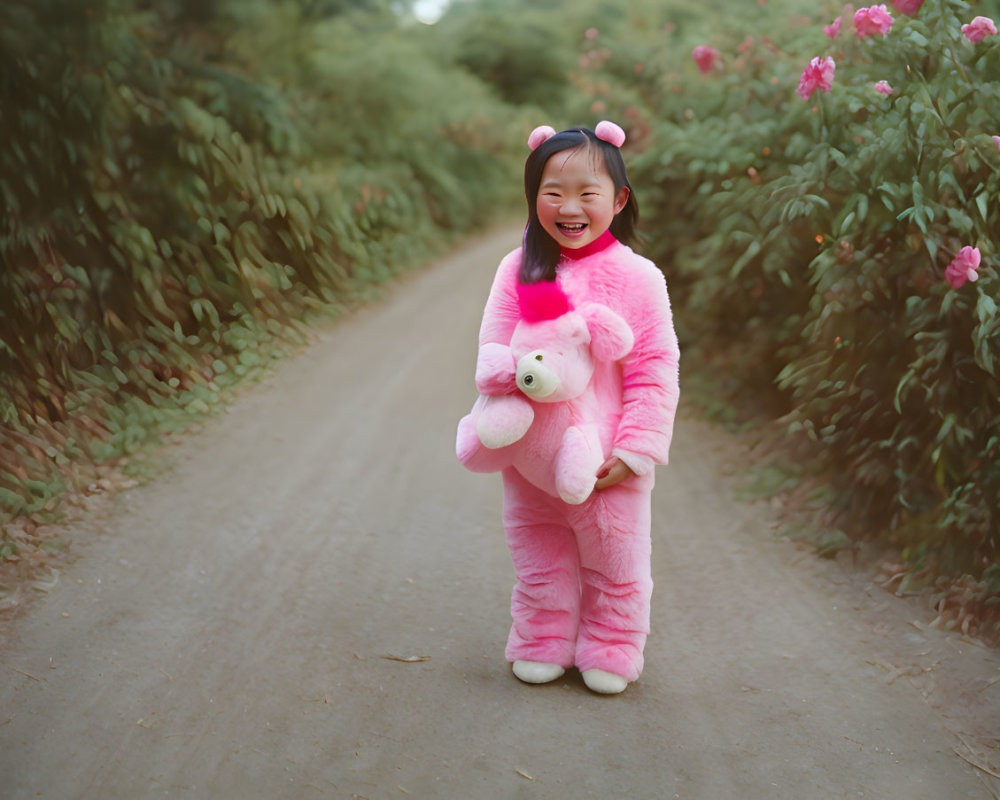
571 228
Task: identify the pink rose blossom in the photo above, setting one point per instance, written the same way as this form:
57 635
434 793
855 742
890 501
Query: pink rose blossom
883 87
818 75
832 30
908 7
963 267
869 21
979 29
706 58
996 141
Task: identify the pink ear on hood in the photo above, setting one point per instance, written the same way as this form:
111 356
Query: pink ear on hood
541 301
610 132
610 336
539 135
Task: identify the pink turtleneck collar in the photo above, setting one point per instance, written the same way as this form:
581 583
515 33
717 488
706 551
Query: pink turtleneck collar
602 242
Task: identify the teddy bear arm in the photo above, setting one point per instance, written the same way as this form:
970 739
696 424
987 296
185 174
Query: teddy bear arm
471 452
577 462
503 420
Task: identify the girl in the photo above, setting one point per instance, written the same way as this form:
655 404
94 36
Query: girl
583 571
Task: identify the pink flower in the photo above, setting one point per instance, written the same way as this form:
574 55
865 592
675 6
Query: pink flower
883 87
591 33
963 267
706 58
979 29
818 75
832 30
908 7
869 21
996 141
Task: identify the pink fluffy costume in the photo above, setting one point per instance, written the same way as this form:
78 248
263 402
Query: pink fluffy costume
583 570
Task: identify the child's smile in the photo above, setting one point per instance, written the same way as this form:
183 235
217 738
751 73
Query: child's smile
576 198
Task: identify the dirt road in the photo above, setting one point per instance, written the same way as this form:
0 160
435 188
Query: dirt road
233 629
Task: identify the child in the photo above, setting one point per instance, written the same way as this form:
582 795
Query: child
583 571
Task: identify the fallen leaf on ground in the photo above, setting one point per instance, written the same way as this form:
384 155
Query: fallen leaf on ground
405 659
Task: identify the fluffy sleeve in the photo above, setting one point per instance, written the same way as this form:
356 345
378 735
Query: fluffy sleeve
495 368
650 383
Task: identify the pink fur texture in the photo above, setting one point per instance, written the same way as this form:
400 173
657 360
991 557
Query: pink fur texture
557 443
542 300
583 569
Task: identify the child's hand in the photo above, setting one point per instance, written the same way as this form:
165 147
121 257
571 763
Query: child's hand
612 472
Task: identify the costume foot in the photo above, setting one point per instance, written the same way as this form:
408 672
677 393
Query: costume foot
537 671
602 682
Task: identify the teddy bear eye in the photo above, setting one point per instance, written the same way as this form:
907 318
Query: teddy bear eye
538 357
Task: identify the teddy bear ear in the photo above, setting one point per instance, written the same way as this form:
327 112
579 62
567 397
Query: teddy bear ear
610 336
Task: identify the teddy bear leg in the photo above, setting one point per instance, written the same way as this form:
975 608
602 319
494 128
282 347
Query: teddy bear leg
577 463
545 600
613 531
503 420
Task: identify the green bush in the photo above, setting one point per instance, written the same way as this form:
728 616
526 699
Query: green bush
808 240
181 185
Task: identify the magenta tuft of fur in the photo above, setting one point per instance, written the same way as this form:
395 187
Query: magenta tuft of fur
541 301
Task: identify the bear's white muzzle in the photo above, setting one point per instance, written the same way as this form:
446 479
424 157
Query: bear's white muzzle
534 378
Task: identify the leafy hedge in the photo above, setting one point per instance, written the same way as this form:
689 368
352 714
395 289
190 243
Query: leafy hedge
181 182
180 188
808 240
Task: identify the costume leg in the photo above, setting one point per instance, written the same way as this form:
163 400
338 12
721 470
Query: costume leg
613 532
545 602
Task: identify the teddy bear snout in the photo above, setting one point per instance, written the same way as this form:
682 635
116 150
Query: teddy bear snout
534 377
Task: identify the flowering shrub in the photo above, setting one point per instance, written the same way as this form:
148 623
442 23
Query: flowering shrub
830 248
908 7
979 29
706 58
818 75
963 267
872 21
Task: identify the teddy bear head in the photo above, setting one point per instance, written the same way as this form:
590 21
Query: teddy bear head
555 346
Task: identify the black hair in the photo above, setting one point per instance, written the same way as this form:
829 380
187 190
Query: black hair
541 252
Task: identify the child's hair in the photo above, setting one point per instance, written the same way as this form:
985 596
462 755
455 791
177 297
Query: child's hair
541 252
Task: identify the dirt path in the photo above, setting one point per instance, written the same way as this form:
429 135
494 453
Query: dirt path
225 633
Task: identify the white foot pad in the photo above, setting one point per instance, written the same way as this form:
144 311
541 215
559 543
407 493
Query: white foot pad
537 671
598 680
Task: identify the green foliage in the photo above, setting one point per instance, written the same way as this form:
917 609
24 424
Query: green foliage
183 183
512 47
808 240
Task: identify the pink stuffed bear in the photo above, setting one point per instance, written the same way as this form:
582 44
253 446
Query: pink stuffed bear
548 432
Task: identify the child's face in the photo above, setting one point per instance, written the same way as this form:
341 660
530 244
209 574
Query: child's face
576 198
